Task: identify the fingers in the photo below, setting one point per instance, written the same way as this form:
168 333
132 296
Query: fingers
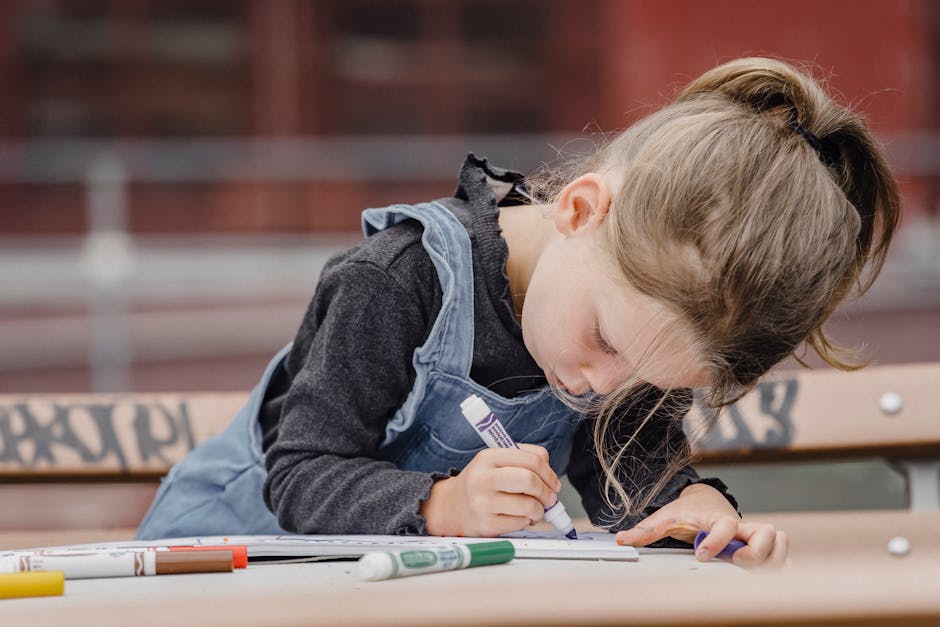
766 546
524 482
526 509
453 508
500 512
655 527
502 523
542 467
642 534
529 457
722 532
778 556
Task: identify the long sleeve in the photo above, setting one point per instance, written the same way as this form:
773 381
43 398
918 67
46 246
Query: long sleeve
352 370
644 461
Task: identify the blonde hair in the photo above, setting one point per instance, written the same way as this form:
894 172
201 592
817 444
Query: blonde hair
749 207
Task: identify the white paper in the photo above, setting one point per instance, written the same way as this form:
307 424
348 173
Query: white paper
528 544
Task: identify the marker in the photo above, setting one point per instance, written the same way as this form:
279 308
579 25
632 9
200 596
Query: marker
120 563
239 551
19 585
389 564
485 423
723 554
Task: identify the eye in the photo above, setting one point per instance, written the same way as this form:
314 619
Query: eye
601 342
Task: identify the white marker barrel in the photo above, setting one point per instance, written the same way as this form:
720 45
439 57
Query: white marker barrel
491 430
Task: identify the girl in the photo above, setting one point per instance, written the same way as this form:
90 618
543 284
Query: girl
696 250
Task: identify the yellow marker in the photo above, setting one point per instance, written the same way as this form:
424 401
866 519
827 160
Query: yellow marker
48 583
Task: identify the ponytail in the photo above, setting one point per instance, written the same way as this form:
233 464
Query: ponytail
839 138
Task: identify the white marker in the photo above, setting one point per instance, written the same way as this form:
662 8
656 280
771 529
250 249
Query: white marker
494 434
120 563
388 564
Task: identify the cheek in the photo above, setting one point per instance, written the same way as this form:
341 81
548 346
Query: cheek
537 332
555 345
542 329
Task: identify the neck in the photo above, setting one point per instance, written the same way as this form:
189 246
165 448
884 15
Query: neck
525 229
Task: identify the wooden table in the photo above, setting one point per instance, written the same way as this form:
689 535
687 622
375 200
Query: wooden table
837 586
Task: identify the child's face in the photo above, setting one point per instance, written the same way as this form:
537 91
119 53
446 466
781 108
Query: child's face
588 329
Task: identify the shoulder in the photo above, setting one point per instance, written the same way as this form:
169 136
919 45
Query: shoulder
387 281
390 247
390 262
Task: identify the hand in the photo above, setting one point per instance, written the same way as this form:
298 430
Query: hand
701 506
500 490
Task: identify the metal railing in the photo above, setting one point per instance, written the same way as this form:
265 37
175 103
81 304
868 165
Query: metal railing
106 269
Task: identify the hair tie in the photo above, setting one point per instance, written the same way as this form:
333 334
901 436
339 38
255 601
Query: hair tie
813 141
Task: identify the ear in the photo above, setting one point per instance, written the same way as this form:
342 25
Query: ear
584 202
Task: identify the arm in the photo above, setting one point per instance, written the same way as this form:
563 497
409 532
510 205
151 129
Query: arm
351 369
348 373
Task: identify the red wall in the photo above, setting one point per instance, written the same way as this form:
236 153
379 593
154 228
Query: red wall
879 57
876 53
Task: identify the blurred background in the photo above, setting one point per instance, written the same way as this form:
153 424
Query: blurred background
173 173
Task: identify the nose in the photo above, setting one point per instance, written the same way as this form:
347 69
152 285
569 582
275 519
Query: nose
601 380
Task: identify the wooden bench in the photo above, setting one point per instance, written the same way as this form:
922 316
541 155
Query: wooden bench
94 461
887 412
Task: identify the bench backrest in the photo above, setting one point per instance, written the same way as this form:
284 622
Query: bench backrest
885 411
804 415
106 436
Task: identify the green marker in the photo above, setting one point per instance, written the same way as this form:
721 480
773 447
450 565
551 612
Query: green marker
389 564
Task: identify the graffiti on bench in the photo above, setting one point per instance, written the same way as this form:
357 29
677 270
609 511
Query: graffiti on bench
124 435
132 435
761 420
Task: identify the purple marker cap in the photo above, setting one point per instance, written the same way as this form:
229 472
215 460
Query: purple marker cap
725 553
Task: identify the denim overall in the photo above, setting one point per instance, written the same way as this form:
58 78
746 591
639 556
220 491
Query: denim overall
217 488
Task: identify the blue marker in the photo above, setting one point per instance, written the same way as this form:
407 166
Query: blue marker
491 430
723 554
